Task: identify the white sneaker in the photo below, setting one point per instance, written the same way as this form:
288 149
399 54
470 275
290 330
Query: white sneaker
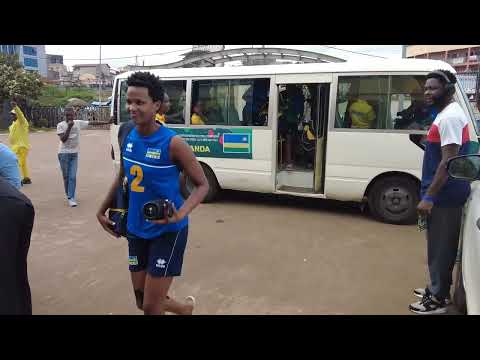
191 301
72 202
420 293
429 305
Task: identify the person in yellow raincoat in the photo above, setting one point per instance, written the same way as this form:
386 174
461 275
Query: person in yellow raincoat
19 140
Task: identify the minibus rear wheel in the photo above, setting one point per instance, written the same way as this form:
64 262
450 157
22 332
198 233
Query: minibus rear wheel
394 200
187 186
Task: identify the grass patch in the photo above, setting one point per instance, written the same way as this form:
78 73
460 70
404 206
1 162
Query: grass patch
58 96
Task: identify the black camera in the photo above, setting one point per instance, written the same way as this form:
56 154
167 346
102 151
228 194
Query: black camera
156 209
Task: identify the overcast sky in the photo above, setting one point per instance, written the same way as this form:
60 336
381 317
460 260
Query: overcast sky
84 54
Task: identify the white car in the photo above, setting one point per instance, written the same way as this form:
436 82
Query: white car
467 167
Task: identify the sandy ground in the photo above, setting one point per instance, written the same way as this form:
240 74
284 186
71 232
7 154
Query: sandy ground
247 253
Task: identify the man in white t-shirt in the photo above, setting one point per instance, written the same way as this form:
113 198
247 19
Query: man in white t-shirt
69 133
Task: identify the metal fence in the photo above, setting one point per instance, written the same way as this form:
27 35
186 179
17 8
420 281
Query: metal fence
50 116
470 82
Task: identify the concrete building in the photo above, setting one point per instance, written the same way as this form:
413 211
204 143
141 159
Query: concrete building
463 58
32 57
56 70
125 68
9 49
84 72
66 79
59 70
54 59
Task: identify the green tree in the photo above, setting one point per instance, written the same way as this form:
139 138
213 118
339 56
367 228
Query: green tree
16 82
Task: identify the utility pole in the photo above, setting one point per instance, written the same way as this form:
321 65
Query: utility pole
100 76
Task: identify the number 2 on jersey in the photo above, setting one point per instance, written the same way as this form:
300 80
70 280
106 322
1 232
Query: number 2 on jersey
137 171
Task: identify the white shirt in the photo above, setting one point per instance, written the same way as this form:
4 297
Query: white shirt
450 126
72 145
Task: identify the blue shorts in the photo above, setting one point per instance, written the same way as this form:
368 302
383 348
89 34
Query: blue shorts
159 257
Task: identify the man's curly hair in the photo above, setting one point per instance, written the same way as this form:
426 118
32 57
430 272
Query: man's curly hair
149 81
450 76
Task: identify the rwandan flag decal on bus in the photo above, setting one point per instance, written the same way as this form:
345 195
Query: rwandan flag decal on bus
236 143
218 142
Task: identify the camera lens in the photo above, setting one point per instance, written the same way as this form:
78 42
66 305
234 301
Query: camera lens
150 211
154 210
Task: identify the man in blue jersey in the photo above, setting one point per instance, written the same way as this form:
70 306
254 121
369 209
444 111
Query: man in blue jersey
152 158
442 198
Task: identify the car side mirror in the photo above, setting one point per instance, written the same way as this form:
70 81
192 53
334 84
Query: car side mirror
465 167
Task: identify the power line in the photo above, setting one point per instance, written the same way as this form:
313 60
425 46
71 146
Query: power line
186 49
169 52
134 56
353 52
119 58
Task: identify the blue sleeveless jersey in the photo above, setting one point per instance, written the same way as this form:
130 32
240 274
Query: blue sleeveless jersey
151 176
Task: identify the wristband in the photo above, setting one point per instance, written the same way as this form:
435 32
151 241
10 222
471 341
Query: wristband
428 198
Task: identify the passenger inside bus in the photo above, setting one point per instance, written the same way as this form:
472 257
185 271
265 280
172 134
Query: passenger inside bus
291 111
198 117
248 108
416 117
212 111
176 112
360 113
308 138
230 112
161 116
255 111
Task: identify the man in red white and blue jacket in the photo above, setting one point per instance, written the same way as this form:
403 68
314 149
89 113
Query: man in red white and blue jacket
442 198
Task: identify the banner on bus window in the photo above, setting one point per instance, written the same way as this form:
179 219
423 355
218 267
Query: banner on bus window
219 143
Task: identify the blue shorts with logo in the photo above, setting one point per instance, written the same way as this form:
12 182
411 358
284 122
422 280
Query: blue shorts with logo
159 257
